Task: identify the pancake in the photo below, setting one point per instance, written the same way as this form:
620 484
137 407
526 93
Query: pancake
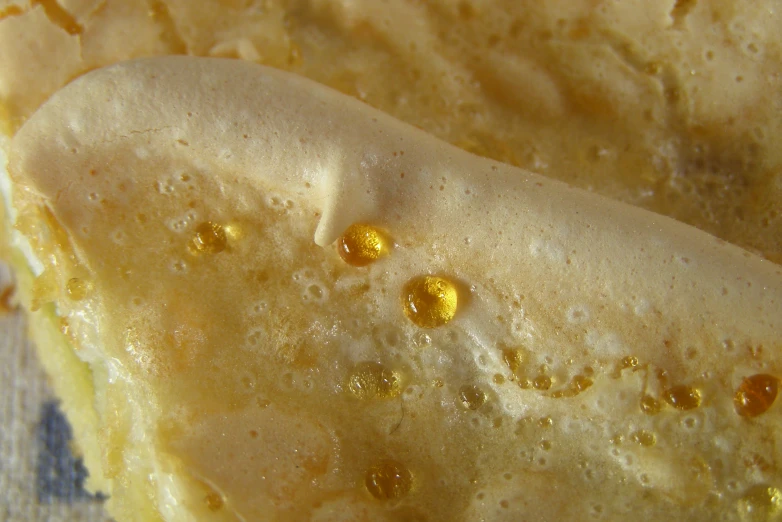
274 302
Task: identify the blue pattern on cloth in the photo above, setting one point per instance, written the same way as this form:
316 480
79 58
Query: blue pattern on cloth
59 474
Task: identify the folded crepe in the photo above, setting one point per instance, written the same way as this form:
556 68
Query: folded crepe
672 105
263 300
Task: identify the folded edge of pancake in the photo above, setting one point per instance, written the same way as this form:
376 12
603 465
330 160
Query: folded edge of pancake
597 349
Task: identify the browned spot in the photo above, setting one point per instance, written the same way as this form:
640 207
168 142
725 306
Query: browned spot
6 300
59 16
10 11
680 10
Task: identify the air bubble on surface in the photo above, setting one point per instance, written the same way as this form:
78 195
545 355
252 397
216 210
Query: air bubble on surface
259 308
178 266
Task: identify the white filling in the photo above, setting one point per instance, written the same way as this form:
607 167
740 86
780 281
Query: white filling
18 240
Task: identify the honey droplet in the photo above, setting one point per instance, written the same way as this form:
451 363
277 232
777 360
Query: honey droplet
429 301
77 289
371 380
581 383
361 244
513 359
760 503
683 397
214 501
472 397
644 438
389 479
542 382
209 238
630 362
650 405
755 395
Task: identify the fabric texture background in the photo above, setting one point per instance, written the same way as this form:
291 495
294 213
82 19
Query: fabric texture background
40 479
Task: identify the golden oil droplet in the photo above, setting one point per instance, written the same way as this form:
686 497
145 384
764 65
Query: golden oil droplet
630 362
371 380
214 501
77 289
472 397
542 382
362 244
760 503
644 438
388 479
581 383
513 359
545 445
650 405
683 397
755 395
498 378
545 422
209 238
429 301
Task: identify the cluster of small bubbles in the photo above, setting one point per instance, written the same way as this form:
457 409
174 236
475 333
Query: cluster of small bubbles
259 308
388 480
77 289
755 395
472 397
314 292
683 397
372 380
421 340
178 266
280 204
650 405
760 503
209 238
362 244
644 438
182 223
429 301
255 337
165 187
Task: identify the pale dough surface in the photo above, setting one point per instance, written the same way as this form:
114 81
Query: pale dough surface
211 370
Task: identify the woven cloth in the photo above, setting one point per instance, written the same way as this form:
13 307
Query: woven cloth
40 479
